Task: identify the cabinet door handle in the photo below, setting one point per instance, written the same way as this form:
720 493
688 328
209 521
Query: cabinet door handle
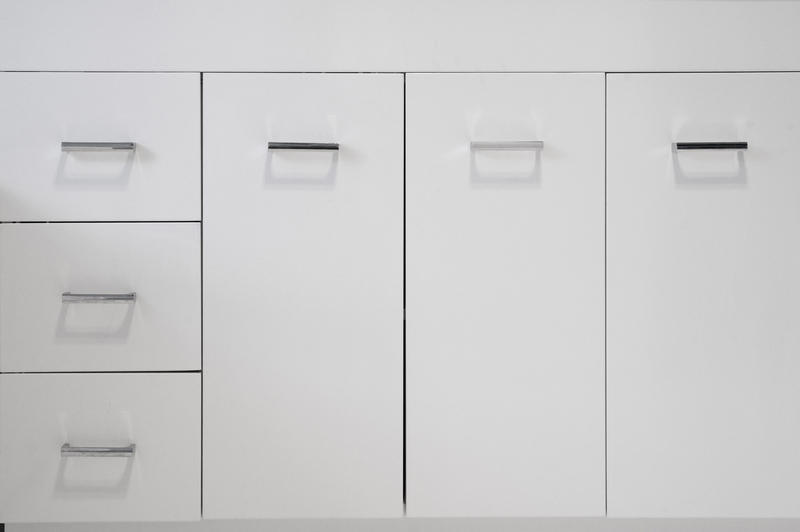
68 450
98 146
709 146
510 145
69 297
329 146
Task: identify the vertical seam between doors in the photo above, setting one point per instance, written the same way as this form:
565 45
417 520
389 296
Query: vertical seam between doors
405 442
605 283
201 297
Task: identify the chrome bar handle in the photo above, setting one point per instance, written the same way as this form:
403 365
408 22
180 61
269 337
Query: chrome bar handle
98 146
329 146
69 297
511 145
709 146
68 450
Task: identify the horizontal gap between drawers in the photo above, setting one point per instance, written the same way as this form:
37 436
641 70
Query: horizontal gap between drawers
400 71
103 222
98 372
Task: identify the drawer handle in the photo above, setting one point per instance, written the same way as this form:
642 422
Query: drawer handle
68 450
709 146
329 146
98 146
69 297
511 145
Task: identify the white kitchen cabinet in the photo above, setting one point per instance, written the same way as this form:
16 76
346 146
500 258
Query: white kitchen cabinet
139 435
504 288
703 296
152 172
99 297
470 277
303 296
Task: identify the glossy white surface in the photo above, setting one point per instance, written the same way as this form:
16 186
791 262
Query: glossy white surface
159 413
504 296
392 36
303 287
159 331
304 259
158 181
703 255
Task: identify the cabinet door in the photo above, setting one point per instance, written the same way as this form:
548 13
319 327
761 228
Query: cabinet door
303 296
505 295
703 296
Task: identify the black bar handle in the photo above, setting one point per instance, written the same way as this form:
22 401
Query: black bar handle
710 145
331 146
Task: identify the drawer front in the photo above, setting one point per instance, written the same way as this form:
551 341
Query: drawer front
703 296
303 296
158 180
504 295
158 413
51 274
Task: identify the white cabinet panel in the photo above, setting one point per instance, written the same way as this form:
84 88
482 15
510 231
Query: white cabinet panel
41 329
392 36
505 295
158 180
703 296
158 413
303 296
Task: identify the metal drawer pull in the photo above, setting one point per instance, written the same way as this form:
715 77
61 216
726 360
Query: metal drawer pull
97 146
709 146
512 145
126 452
69 297
329 146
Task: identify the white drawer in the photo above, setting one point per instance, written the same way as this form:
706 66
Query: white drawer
158 180
158 413
41 329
